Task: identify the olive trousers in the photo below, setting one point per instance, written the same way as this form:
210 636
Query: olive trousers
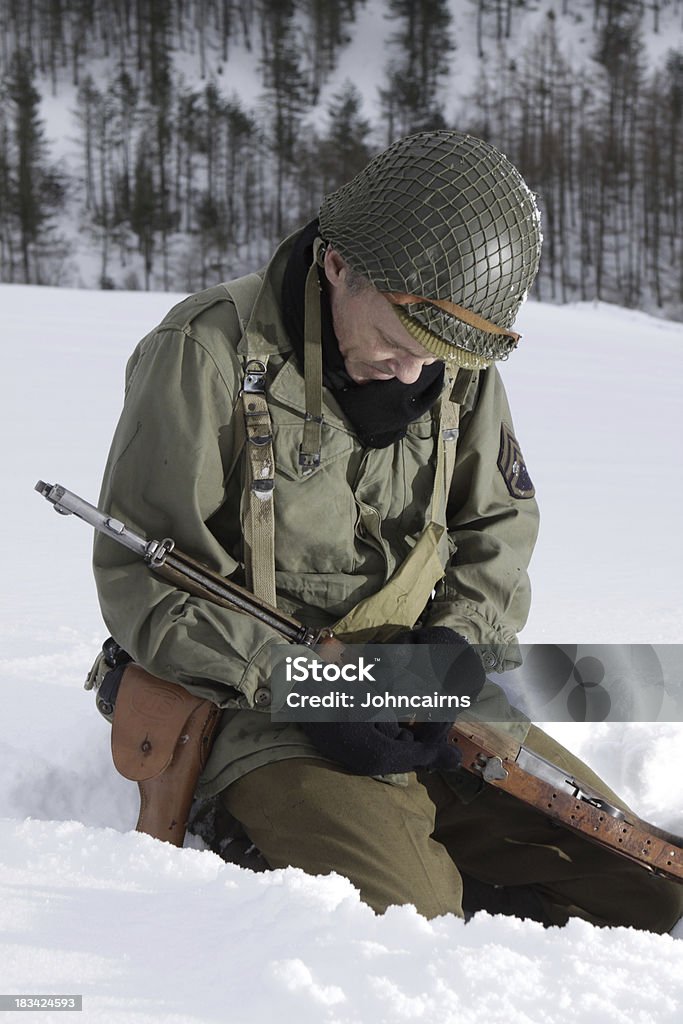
446 851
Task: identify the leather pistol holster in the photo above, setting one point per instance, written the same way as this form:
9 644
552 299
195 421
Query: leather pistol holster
161 738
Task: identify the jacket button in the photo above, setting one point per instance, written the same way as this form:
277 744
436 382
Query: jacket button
262 697
489 659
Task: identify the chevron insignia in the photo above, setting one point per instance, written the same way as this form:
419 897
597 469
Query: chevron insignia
512 466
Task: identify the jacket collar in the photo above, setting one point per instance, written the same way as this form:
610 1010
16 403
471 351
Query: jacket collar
265 336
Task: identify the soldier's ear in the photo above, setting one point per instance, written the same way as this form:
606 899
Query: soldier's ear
334 267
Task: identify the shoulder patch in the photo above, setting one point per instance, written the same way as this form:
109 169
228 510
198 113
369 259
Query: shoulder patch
512 466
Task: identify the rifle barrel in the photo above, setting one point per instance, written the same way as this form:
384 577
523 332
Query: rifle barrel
163 558
67 503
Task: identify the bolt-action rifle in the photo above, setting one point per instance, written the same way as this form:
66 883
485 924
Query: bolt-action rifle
492 756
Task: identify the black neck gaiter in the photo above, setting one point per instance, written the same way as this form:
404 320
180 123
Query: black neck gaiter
379 411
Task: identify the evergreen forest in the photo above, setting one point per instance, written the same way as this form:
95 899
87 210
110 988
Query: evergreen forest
170 144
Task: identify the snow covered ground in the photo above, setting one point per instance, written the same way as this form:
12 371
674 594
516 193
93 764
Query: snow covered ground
149 933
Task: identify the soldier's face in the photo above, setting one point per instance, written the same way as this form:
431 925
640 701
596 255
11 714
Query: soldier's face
372 340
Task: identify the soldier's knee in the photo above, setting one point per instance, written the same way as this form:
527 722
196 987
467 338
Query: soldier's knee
656 907
666 907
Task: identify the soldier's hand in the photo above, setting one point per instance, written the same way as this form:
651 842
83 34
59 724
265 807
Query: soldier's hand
385 748
455 665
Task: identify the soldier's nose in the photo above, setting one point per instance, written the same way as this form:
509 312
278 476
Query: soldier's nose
407 370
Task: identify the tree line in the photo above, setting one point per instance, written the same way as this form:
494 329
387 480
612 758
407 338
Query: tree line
179 185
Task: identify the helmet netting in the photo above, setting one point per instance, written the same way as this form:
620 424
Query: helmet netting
446 216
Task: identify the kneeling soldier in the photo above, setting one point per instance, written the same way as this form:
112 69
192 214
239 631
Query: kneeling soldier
333 434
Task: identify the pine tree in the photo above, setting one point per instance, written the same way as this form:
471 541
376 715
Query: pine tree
36 191
344 150
144 215
187 131
285 95
160 93
212 235
6 199
422 48
674 154
125 118
326 32
88 102
619 53
240 157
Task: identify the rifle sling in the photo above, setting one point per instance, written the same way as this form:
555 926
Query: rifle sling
568 803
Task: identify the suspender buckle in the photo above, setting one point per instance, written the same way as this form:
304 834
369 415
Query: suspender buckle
308 460
255 378
263 489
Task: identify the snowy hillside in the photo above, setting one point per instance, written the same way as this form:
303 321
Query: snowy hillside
162 145
149 933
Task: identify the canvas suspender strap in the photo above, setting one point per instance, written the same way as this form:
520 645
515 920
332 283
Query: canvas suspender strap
259 513
448 430
450 403
258 516
309 450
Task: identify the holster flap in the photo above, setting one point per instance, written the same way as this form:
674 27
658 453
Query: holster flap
150 719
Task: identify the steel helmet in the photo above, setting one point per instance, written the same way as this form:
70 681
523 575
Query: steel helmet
445 225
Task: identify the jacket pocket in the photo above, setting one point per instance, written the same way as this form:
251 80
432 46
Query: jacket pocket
315 513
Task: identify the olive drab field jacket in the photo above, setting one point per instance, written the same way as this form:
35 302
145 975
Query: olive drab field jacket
176 469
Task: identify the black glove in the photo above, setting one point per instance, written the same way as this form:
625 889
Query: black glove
382 748
457 666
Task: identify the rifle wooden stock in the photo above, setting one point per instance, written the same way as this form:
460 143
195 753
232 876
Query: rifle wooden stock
492 757
194 578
